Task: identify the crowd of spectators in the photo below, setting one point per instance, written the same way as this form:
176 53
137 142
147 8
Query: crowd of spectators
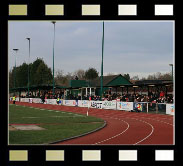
135 97
44 94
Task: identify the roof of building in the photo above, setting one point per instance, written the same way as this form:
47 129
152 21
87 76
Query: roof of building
78 83
112 80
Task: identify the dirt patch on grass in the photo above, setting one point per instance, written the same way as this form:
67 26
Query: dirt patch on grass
27 127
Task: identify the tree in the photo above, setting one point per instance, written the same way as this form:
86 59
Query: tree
80 74
43 75
160 76
127 76
91 74
33 67
11 77
166 76
63 79
136 78
22 75
59 77
40 73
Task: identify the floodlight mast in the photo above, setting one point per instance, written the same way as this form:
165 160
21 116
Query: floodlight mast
101 79
16 50
28 65
53 22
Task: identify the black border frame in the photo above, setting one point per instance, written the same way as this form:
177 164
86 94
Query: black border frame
73 154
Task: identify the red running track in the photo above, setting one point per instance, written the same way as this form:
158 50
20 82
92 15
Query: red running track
124 128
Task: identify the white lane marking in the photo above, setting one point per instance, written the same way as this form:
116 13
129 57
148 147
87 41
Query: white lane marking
156 120
140 140
148 134
130 117
117 134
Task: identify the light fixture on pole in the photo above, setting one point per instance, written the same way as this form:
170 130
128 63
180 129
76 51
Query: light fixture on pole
53 22
16 50
28 65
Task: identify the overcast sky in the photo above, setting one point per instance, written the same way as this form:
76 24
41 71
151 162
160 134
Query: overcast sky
134 47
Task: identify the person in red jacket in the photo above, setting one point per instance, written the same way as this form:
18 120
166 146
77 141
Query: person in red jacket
162 94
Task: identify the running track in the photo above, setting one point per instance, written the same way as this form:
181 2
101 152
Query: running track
125 128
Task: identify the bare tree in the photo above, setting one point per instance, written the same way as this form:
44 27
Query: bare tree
136 78
80 74
159 76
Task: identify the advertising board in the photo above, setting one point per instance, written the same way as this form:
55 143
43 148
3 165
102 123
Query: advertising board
126 106
109 105
170 109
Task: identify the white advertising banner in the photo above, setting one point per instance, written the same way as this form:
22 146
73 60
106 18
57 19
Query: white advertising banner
109 104
96 104
70 102
126 106
24 100
83 103
51 101
37 100
170 109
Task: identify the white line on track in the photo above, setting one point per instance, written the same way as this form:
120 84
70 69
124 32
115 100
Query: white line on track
156 120
117 134
148 134
145 117
152 130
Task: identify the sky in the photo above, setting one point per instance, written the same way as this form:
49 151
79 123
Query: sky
134 47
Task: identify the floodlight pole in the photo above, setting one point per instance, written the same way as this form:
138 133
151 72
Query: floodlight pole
28 65
53 57
15 49
101 79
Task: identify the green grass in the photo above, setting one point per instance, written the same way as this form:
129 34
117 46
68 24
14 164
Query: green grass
59 125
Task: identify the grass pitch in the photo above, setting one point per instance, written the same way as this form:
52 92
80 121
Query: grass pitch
57 125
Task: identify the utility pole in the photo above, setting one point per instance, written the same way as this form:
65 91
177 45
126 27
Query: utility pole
101 79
